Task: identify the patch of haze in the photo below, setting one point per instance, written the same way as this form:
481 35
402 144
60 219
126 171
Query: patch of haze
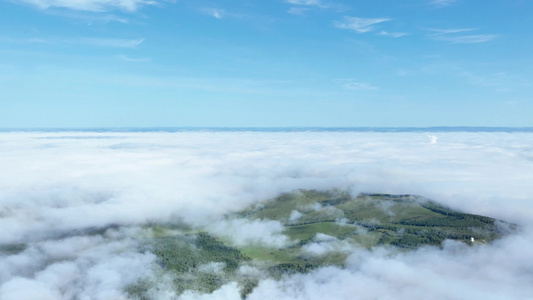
360 230
244 232
324 248
342 221
310 207
372 221
456 271
54 191
212 267
163 289
332 212
323 244
384 205
228 291
79 267
249 271
295 215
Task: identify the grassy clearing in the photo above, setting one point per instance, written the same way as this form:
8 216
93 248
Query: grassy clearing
308 231
272 256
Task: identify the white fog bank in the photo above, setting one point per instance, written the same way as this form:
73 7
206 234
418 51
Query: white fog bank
56 186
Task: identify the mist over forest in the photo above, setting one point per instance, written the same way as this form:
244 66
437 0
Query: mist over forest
75 206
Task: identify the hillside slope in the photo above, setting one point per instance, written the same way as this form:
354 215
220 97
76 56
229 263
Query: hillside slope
320 227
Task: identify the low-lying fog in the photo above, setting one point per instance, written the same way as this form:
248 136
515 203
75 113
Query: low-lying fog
54 187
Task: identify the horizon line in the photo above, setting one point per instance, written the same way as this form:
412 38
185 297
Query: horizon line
272 129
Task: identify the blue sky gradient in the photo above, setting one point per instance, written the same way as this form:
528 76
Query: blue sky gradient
137 63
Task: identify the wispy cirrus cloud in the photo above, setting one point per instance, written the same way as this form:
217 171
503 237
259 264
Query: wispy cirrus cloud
90 5
300 7
359 25
89 18
354 85
469 39
393 34
215 12
99 42
221 13
306 2
442 3
501 82
25 40
298 10
105 42
134 59
437 31
455 36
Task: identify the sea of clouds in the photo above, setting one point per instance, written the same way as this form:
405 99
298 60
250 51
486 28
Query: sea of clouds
58 189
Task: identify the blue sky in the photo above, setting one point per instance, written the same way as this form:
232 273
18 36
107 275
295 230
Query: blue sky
138 63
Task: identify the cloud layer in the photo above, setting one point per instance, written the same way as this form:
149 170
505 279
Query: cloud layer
456 36
78 202
90 5
360 25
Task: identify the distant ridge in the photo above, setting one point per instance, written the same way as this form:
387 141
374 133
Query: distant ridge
277 129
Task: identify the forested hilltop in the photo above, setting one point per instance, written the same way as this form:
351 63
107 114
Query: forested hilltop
317 228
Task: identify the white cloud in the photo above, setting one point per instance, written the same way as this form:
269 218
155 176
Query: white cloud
25 40
216 13
393 34
244 232
454 272
91 267
353 85
442 3
499 81
302 6
324 244
297 10
212 267
90 5
295 215
23 288
448 31
468 39
305 2
453 36
88 17
100 42
133 59
105 42
359 25
56 186
228 291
